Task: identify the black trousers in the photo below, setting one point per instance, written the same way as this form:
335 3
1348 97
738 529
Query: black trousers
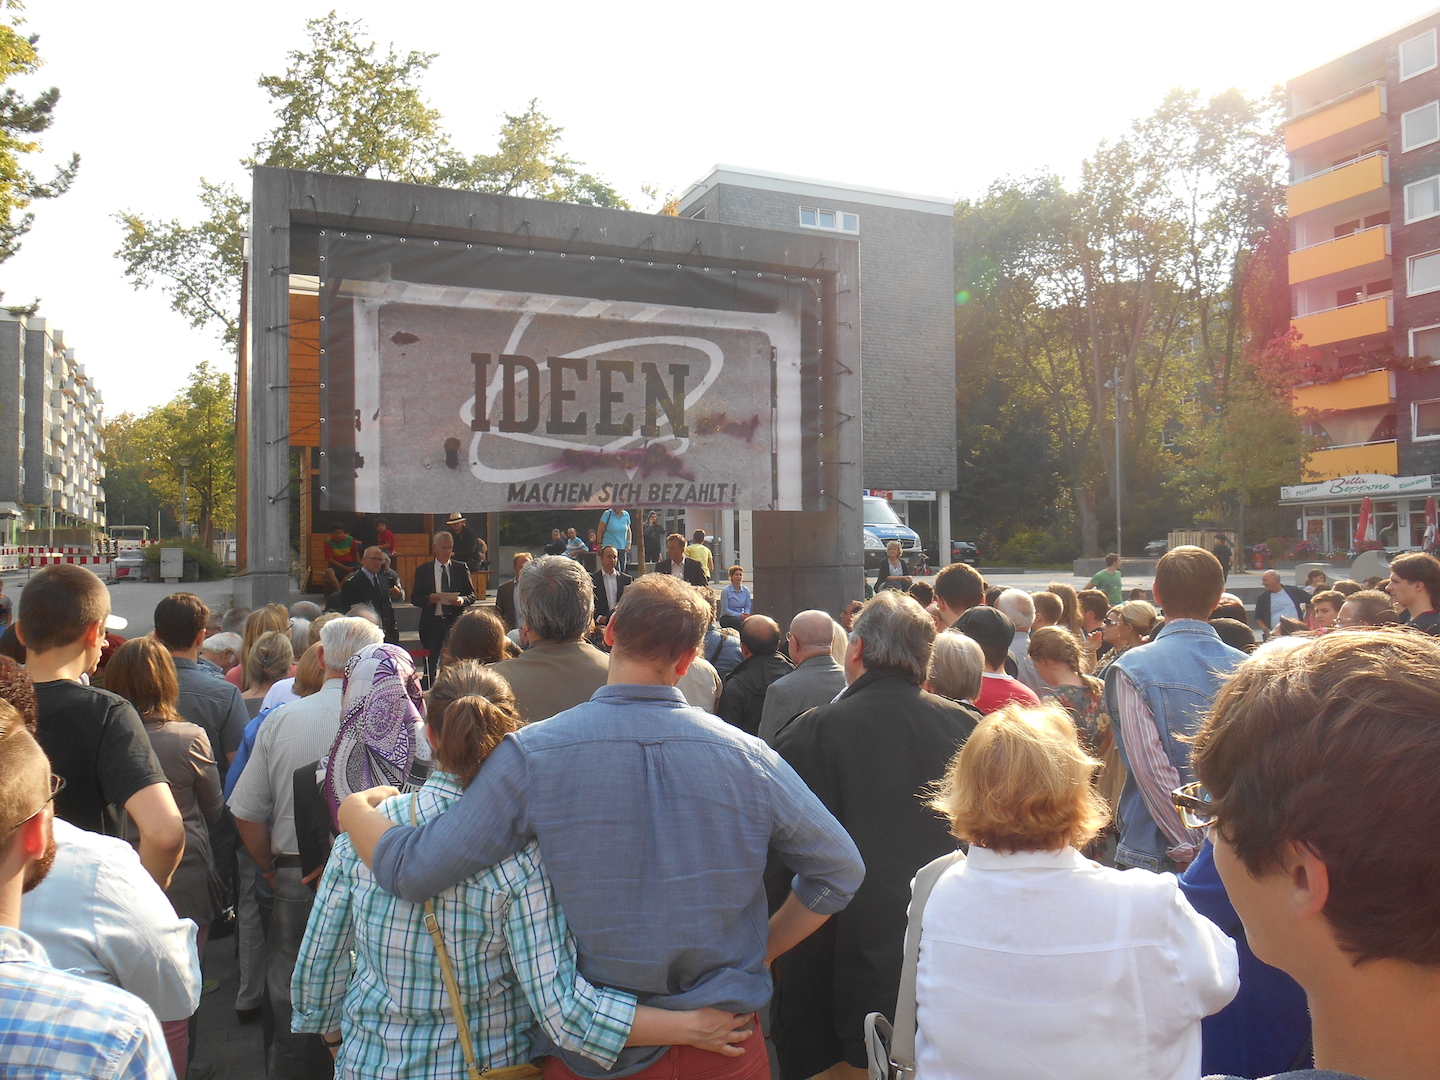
433 632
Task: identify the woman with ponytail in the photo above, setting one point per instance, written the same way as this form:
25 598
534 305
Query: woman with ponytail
390 1012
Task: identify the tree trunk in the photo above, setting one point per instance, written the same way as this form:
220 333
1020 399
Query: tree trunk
1089 523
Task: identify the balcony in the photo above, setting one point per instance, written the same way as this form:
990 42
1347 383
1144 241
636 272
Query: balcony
1339 184
1353 252
1333 117
1376 457
1352 392
1370 318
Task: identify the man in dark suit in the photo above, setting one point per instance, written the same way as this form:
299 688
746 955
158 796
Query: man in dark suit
677 565
505 594
375 588
442 589
609 584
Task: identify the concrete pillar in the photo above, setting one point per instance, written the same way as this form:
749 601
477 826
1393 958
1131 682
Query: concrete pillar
727 540
746 555
944 527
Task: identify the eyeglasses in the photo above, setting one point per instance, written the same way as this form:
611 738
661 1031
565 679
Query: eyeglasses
1193 802
57 785
1111 622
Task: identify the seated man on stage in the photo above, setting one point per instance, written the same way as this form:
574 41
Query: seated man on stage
341 558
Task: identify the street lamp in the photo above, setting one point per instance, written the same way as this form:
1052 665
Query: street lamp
184 464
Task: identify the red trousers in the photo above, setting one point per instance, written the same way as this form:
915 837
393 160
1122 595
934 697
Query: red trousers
690 1063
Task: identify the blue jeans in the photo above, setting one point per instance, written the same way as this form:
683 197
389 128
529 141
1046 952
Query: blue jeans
291 1056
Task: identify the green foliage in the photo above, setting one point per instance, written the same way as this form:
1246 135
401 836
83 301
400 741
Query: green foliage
129 497
22 120
198 426
1133 302
198 266
344 108
1033 547
211 568
528 162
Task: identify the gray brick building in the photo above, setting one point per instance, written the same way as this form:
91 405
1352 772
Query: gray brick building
907 318
50 417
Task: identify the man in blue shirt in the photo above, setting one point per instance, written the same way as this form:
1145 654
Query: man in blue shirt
615 531
655 820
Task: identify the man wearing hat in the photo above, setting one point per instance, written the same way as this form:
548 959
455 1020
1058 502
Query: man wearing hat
993 631
470 550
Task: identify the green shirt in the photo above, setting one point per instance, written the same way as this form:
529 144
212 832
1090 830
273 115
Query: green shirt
1108 582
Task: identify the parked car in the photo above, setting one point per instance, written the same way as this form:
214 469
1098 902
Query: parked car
964 551
1155 548
882 525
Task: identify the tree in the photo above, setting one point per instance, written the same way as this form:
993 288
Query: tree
22 120
198 426
198 266
345 107
528 162
130 499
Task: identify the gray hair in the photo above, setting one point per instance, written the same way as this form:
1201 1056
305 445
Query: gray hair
894 632
222 642
1019 605
235 619
443 536
299 635
957 665
366 612
555 598
342 638
306 609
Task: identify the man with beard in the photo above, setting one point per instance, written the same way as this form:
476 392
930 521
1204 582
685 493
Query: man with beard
53 1022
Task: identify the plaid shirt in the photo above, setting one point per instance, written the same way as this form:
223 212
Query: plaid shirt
54 1024
514 960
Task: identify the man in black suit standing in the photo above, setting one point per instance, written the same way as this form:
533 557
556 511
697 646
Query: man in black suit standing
442 589
505 594
677 565
609 584
376 588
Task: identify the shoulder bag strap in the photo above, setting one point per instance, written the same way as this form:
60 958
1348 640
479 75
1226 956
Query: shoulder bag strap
902 1045
452 987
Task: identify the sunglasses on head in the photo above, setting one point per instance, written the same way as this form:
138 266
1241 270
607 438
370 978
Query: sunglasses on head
1193 803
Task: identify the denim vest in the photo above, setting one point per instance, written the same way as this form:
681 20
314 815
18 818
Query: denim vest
1178 674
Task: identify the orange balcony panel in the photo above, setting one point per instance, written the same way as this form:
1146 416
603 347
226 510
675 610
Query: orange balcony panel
1356 392
1370 319
1334 256
1381 457
1345 182
1342 116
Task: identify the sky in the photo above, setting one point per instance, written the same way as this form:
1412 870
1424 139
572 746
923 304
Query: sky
934 98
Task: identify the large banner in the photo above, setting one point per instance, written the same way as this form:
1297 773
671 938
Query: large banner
536 381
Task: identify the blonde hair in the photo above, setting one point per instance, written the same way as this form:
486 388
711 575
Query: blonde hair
269 659
1069 607
309 672
839 643
272 618
1022 782
1139 614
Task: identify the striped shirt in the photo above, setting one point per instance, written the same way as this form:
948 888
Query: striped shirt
513 954
54 1024
1155 775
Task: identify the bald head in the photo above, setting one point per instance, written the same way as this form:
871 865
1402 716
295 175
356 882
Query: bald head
1271 580
811 633
759 636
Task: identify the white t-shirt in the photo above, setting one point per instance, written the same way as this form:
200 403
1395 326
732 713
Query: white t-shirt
1045 964
1282 606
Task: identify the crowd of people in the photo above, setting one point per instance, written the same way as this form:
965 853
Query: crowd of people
628 826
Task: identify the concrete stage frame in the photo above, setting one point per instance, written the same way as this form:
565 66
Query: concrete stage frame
803 559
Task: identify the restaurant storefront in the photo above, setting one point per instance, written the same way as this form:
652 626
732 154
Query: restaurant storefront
1330 509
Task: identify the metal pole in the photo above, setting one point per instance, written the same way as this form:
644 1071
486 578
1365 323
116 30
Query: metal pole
1117 460
52 516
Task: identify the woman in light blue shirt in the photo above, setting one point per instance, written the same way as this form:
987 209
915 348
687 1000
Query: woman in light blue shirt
734 600
388 1014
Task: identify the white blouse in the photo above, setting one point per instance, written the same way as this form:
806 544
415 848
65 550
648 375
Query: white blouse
1043 965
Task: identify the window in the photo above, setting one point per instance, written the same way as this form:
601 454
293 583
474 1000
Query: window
1422 199
816 218
1425 273
1425 419
1417 55
1425 343
1420 127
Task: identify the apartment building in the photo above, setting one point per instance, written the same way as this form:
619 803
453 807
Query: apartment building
51 412
1363 137
907 320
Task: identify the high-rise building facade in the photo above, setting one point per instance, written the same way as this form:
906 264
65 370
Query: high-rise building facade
51 413
1363 137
